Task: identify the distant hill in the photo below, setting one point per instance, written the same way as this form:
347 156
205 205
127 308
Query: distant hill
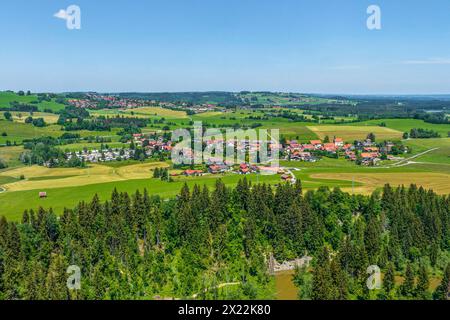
43 102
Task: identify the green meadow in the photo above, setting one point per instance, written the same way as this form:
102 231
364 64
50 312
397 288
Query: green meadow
12 204
17 132
405 125
7 97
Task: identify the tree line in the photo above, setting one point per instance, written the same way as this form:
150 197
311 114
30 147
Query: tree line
138 246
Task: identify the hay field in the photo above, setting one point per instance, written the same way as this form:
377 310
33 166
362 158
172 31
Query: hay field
439 182
49 118
351 133
158 111
42 178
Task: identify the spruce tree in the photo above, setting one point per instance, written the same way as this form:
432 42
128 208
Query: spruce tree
442 291
322 282
407 288
423 284
389 280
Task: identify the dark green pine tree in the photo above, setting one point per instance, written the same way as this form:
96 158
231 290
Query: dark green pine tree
298 187
407 287
423 284
186 220
242 194
389 281
340 280
442 291
322 282
56 281
372 239
249 236
290 228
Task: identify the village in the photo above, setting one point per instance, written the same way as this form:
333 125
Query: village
366 153
105 154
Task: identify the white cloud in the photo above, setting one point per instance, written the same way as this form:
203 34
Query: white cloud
428 61
61 14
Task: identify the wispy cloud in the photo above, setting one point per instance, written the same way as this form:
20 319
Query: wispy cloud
61 14
428 61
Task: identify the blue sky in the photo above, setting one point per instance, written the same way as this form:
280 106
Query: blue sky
229 45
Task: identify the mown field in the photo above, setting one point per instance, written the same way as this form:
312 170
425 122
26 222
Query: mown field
49 118
142 112
352 133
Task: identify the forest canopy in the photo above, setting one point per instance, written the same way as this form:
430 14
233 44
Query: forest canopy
137 246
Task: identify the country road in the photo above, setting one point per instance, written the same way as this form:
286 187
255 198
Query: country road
294 179
407 161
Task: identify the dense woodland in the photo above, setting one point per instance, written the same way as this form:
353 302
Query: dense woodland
139 246
423 134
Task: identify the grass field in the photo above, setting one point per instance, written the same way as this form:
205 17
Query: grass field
441 155
72 177
352 133
289 129
19 131
7 97
12 204
293 130
142 112
439 182
11 155
66 186
49 118
405 125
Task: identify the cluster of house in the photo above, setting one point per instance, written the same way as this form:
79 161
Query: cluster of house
110 101
304 152
220 167
202 108
102 155
365 151
152 142
83 103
